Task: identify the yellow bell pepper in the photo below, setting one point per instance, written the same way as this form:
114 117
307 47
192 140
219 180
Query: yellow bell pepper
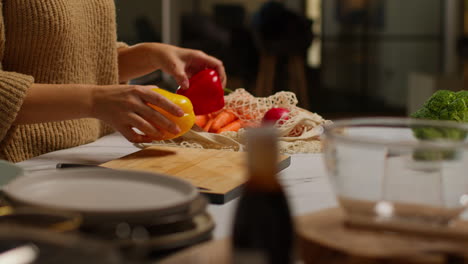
184 122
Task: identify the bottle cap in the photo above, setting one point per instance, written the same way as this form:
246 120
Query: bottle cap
262 150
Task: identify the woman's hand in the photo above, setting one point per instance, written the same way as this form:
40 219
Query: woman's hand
125 107
180 63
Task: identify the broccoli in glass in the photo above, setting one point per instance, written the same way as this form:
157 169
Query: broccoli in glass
442 105
445 105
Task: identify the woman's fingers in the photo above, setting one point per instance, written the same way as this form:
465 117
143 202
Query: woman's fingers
127 106
133 136
202 60
144 126
148 117
158 100
157 119
219 67
179 74
183 63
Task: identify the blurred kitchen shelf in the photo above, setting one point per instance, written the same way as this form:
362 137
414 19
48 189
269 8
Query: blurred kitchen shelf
336 116
341 105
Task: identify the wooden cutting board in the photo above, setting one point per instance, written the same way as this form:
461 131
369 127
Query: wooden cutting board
217 173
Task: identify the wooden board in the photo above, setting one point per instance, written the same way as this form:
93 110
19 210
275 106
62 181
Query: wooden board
212 252
325 237
218 174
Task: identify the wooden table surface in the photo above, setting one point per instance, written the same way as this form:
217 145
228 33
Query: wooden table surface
213 252
304 180
324 238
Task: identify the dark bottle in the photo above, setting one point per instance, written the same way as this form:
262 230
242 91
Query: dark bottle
263 228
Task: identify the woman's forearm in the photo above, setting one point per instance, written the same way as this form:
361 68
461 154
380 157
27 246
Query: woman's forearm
55 102
136 61
123 107
180 63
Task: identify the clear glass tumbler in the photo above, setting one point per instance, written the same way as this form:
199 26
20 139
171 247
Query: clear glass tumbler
398 169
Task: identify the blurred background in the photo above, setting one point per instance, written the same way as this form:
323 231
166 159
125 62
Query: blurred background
341 57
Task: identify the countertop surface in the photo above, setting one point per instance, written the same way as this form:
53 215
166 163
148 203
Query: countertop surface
304 181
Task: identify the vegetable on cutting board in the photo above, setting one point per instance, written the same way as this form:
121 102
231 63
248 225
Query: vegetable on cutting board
208 125
201 120
219 122
233 126
205 91
274 114
226 120
222 119
184 122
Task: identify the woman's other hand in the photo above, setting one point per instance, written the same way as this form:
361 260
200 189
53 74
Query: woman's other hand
180 63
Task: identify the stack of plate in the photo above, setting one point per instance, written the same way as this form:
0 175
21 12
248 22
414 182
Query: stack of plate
19 244
139 212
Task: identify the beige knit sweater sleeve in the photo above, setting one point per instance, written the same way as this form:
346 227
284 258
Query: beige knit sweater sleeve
13 87
121 44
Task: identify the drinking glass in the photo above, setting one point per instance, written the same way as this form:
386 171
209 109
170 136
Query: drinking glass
398 169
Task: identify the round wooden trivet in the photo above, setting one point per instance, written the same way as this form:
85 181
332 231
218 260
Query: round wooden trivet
213 252
324 237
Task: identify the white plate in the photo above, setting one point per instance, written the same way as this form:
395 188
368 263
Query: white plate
101 194
8 171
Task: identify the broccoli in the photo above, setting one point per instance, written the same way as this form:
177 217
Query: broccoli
445 105
442 105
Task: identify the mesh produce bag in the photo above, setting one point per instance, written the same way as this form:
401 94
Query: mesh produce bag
298 133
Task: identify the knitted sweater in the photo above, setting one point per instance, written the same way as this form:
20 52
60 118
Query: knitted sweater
53 42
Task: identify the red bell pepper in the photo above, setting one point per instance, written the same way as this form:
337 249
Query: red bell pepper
205 92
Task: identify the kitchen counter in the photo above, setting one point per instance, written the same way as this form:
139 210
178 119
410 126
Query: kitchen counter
305 180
